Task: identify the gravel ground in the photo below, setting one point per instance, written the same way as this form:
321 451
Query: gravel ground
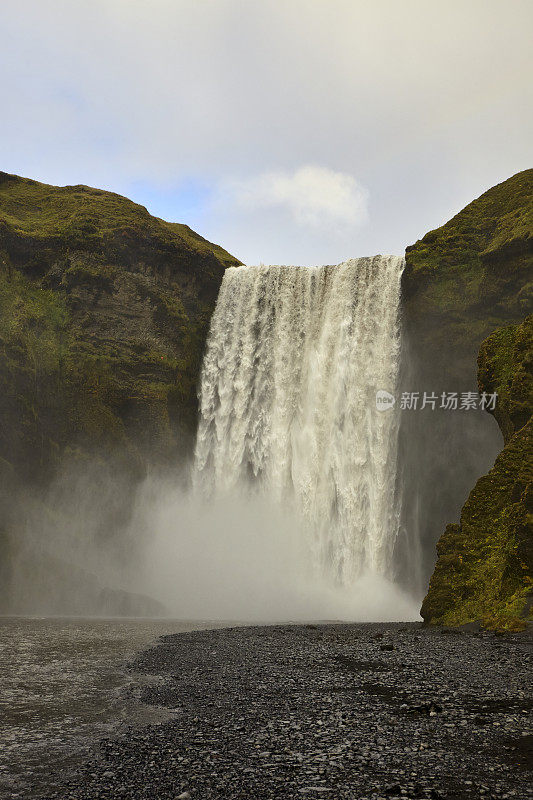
326 711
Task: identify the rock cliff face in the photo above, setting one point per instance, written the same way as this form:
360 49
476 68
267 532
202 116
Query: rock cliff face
484 568
104 311
471 276
463 282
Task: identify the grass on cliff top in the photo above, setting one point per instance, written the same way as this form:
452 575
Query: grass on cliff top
87 216
501 216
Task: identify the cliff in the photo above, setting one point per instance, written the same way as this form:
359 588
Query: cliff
471 276
466 286
484 568
104 311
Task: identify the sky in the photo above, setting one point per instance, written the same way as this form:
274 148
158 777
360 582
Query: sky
288 131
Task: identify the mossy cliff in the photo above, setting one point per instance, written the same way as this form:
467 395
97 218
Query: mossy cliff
104 311
463 281
484 568
471 276
466 286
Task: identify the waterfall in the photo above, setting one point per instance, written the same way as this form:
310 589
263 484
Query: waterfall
294 358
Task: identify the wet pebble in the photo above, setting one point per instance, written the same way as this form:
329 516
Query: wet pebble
326 711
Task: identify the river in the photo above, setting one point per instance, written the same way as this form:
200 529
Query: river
64 683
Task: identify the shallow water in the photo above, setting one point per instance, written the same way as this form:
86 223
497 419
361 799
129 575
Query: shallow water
64 683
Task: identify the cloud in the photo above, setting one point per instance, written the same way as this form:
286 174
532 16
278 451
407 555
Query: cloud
312 195
425 104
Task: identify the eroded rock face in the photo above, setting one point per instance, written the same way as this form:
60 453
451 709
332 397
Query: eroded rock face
485 564
462 283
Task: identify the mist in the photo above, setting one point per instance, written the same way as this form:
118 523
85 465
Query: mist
244 558
338 522
93 545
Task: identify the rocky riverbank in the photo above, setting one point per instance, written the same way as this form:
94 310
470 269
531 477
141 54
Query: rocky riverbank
335 711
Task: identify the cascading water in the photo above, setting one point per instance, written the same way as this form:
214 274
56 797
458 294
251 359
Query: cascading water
294 359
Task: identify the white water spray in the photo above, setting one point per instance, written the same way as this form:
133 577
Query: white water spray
294 359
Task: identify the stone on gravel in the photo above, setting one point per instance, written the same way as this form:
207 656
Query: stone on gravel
291 711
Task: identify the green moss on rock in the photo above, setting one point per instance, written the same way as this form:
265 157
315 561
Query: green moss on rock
462 282
488 231
104 311
505 366
473 275
484 568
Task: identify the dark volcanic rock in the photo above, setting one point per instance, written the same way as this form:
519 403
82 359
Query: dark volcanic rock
292 712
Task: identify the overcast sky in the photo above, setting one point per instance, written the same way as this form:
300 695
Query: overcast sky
289 131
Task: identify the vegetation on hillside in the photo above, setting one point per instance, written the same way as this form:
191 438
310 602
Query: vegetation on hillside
104 311
475 273
69 218
469 285
484 569
449 261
